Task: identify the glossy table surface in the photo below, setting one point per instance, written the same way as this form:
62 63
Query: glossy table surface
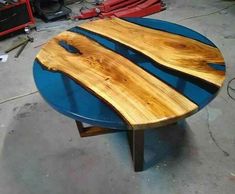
71 99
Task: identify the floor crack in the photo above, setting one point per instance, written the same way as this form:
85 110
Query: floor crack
207 14
17 97
212 136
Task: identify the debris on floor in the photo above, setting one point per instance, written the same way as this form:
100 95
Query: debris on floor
3 57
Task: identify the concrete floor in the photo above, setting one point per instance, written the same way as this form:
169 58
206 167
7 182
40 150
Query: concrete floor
41 151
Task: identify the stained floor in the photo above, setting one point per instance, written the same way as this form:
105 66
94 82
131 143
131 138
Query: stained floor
41 151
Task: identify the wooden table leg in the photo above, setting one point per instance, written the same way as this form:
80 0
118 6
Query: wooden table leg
136 141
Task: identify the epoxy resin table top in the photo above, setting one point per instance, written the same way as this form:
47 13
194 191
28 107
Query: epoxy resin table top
132 73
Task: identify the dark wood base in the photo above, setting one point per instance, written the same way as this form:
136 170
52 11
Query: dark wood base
136 142
135 138
93 131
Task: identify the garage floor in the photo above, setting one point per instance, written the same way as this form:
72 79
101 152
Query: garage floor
42 153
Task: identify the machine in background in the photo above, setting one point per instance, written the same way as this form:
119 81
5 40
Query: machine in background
51 10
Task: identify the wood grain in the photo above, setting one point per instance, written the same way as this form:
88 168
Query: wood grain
170 50
141 99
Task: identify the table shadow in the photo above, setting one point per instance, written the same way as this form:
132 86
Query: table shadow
166 143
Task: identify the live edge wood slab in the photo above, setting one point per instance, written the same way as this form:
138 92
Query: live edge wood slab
170 50
141 99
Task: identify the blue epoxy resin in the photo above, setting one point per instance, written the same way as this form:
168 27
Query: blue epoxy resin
71 99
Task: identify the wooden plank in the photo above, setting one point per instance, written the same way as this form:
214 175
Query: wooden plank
170 50
141 99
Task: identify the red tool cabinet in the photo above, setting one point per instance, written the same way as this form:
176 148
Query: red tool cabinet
15 16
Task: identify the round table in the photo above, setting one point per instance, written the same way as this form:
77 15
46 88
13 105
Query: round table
68 97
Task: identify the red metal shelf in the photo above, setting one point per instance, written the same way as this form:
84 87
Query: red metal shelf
31 20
